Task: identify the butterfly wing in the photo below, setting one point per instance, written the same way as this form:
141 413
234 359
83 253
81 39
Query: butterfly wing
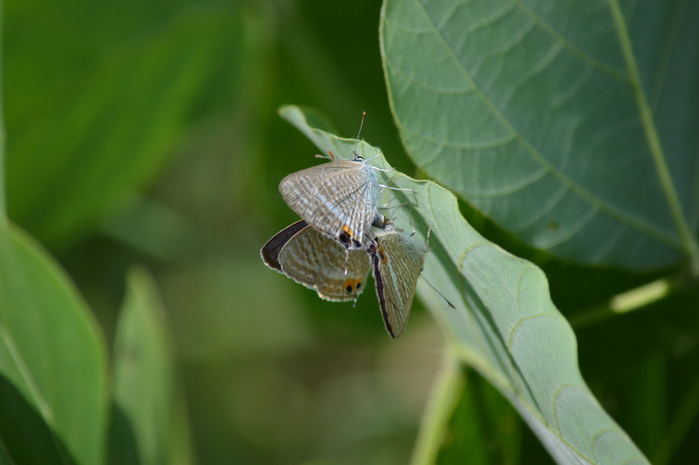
318 262
332 283
270 251
337 198
397 260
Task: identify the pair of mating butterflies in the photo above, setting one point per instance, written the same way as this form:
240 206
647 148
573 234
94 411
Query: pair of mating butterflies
342 237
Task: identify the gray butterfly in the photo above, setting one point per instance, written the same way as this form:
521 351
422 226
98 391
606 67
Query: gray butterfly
397 260
318 262
337 198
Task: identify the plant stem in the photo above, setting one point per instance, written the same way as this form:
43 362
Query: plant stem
443 399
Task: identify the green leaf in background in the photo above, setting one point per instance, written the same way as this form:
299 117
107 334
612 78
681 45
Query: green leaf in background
150 416
52 361
571 124
504 324
112 107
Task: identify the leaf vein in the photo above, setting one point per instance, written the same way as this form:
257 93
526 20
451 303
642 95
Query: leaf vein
638 223
472 146
548 207
575 50
461 91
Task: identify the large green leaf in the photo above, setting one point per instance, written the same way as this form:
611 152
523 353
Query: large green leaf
504 324
571 124
52 360
150 418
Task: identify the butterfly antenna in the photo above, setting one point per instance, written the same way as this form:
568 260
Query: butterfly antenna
356 142
440 294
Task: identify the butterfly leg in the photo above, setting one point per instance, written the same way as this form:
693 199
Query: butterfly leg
327 157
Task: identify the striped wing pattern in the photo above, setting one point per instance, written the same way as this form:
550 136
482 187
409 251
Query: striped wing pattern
397 260
318 262
336 198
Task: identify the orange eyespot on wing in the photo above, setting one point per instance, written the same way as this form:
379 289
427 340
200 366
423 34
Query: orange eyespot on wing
352 285
382 254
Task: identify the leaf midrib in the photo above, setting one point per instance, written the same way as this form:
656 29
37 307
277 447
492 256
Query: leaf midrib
658 155
686 243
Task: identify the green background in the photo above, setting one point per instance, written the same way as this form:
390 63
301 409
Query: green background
147 133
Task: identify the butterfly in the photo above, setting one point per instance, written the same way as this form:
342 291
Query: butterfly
337 198
318 262
397 260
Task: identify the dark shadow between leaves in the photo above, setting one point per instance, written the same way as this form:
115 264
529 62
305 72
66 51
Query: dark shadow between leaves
26 437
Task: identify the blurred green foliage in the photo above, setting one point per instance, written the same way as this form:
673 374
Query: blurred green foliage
147 132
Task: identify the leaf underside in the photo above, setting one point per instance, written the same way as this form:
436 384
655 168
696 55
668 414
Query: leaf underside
558 120
505 324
